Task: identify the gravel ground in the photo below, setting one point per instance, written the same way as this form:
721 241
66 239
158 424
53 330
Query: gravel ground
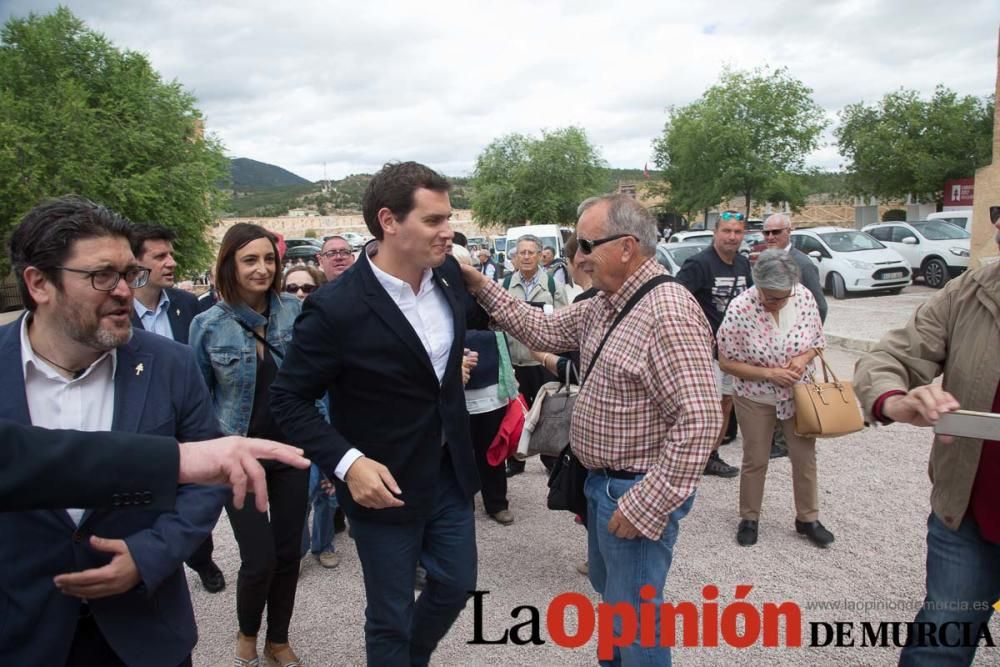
873 494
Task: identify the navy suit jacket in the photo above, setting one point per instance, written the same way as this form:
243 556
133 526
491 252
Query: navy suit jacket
352 341
158 391
183 307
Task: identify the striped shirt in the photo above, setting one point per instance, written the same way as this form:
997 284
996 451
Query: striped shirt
650 404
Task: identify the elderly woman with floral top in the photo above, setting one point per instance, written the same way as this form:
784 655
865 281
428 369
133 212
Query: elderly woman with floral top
767 341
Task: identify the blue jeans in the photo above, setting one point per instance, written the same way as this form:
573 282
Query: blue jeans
323 507
962 569
619 568
398 631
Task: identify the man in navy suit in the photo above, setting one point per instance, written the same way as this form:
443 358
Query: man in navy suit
79 586
164 310
385 340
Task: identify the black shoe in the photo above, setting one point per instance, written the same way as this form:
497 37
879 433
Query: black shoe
746 533
514 468
716 466
777 451
212 578
815 531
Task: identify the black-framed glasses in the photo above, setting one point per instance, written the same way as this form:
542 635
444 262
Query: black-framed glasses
773 232
106 280
587 246
308 288
775 300
335 253
731 215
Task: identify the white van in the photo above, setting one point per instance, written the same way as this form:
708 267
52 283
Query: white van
960 216
550 235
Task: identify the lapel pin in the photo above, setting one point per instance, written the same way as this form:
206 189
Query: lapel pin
178 311
444 282
139 369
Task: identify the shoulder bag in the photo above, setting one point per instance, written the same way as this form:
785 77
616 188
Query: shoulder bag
826 409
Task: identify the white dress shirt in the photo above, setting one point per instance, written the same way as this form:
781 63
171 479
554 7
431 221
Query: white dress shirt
429 314
156 320
86 403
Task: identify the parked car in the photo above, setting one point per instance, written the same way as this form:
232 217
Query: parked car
936 249
306 251
295 243
853 261
672 256
755 240
961 217
704 238
356 240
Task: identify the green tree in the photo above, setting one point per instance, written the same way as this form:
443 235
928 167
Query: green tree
904 145
748 135
78 115
519 179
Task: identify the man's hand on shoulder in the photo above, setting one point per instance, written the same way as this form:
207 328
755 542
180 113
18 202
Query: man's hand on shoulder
372 485
474 280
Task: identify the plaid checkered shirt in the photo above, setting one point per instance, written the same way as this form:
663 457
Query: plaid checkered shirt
651 404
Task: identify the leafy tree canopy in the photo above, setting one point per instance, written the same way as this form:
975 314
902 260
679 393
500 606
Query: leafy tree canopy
748 134
519 179
81 116
906 145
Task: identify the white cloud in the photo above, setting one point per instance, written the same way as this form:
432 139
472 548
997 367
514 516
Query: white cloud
355 84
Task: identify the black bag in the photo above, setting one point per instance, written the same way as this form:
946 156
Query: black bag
568 475
566 484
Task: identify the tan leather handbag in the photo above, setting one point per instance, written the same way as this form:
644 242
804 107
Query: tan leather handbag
826 409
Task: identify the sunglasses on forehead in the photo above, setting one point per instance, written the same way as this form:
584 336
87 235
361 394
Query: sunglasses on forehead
587 246
731 215
292 288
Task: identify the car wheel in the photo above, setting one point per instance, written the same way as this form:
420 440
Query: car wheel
935 273
837 286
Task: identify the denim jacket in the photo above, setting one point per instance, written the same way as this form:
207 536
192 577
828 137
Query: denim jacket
227 354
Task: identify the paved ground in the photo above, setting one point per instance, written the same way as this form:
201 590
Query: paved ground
874 497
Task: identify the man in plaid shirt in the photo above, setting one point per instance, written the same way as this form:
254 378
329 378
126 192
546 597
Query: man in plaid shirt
647 415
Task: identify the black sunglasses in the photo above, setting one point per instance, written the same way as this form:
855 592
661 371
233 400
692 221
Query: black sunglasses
292 288
769 232
587 246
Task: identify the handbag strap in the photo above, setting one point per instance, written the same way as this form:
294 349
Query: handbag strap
826 367
636 298
275 351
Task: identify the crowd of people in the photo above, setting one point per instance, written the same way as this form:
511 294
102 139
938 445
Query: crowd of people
393 372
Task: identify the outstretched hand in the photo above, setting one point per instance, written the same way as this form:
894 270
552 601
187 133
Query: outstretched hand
474 280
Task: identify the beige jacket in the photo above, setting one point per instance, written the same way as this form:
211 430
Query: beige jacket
519 353
956 333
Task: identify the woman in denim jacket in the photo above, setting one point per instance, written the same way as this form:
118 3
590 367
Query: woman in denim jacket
239 344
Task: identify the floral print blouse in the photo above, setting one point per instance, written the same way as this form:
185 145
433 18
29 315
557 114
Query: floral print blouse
749 334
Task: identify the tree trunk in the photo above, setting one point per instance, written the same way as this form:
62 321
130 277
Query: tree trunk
746 196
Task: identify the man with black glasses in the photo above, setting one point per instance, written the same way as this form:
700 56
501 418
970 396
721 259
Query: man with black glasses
778 234
102 587
335 257
715 277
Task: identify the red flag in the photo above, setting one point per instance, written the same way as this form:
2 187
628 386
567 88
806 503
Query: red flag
645 171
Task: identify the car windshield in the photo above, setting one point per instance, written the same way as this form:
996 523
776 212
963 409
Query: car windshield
850 241
699 238
934 230
681 254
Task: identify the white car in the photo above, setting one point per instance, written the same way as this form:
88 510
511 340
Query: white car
852 261
703 237
672 256
936 249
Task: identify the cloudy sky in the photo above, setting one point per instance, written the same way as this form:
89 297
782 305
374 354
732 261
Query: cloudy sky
354 84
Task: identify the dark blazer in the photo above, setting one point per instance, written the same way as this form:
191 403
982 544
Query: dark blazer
809 278
183 307
352 341
44 469
152 624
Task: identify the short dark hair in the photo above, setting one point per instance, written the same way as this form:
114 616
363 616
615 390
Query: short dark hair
393 187
318 276
569 248
149 231
240 234
550 249
459 238
45 236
